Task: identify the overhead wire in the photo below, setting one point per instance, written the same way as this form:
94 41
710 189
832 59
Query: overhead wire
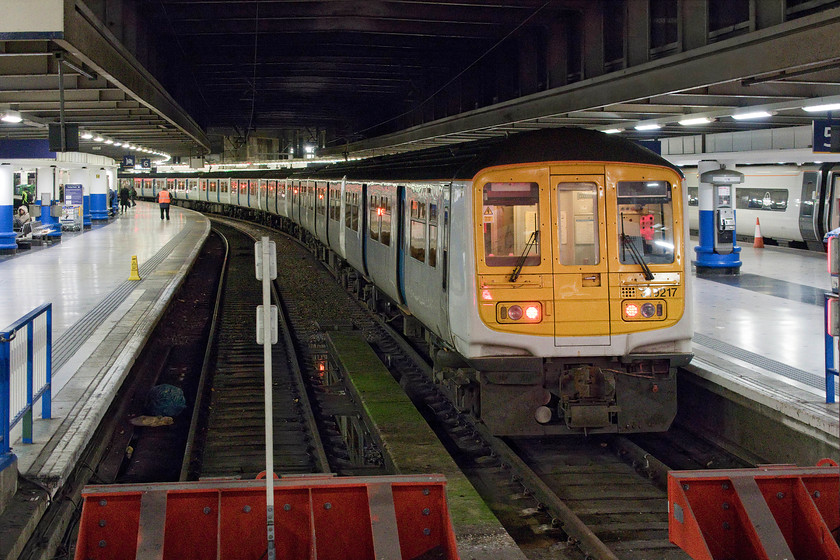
459 74
254 75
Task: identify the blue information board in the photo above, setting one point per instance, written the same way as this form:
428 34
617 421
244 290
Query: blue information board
128 161
822 135
73 195
146 163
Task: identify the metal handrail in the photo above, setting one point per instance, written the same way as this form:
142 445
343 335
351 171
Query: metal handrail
25 375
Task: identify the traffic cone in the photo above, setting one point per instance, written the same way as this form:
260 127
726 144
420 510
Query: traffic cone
135 271
759 240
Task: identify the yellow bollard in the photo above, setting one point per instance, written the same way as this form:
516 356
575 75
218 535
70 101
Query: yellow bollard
135 271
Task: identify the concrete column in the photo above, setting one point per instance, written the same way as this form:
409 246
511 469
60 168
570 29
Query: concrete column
769 13
695 24
82 177
557 54
638 32
45 184
113 185
593 40
7 202
98 195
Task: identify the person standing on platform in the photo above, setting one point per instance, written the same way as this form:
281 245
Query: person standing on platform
133 196
125 201
164 199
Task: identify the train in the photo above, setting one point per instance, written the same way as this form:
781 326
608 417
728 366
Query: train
546 271
795 204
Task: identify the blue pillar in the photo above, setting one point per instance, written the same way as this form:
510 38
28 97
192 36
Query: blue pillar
708 259
82 177
45 189
7 192
98 195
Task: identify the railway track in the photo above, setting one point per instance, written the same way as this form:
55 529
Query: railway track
229 435
562 497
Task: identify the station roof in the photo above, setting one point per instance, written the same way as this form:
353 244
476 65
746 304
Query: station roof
393 75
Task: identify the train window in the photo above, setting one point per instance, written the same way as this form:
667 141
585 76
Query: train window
212 186
355 225
203 183
385 227
761 199
418 240
510 219
577 208
646 224
432 213
374 217
693 196
433 245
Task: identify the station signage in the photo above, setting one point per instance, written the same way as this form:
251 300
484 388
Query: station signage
823 129
146 163
128 161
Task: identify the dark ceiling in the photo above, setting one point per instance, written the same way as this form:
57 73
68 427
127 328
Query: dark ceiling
365 77
350 68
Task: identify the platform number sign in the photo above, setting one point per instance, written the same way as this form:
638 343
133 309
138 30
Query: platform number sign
146 163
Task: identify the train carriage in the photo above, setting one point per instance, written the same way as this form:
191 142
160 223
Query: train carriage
546 271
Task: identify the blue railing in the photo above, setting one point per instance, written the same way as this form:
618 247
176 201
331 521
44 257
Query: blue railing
25 375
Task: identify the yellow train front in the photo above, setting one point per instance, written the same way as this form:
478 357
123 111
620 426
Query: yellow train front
583 297
547 270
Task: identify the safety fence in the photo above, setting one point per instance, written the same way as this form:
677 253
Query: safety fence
25 375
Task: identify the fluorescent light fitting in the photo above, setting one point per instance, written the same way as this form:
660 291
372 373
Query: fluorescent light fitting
695 120
652 126
117 144
109 141
827 107
612 130
11 117
99 139
753 115
86 135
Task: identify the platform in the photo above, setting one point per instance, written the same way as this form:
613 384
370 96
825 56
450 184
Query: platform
101 321
759 341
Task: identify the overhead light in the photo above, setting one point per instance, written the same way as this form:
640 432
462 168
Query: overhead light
753 115
86 135
109 141
99 139
11 117
695 120
612 130
652 126
117 144
827 107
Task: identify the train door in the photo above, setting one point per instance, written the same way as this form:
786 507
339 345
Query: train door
581 306
402 241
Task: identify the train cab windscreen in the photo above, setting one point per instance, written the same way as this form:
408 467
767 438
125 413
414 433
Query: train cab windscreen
510 221
646 225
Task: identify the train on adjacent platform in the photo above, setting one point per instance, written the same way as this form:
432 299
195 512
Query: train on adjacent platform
795 204
546 270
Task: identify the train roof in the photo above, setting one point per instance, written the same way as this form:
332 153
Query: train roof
463 161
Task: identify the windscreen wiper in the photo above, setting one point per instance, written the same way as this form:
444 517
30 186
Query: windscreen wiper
627 241
532 241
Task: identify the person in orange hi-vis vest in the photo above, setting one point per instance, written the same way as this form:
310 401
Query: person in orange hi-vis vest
164 200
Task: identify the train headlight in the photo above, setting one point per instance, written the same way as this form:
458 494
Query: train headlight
519 312
654 310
